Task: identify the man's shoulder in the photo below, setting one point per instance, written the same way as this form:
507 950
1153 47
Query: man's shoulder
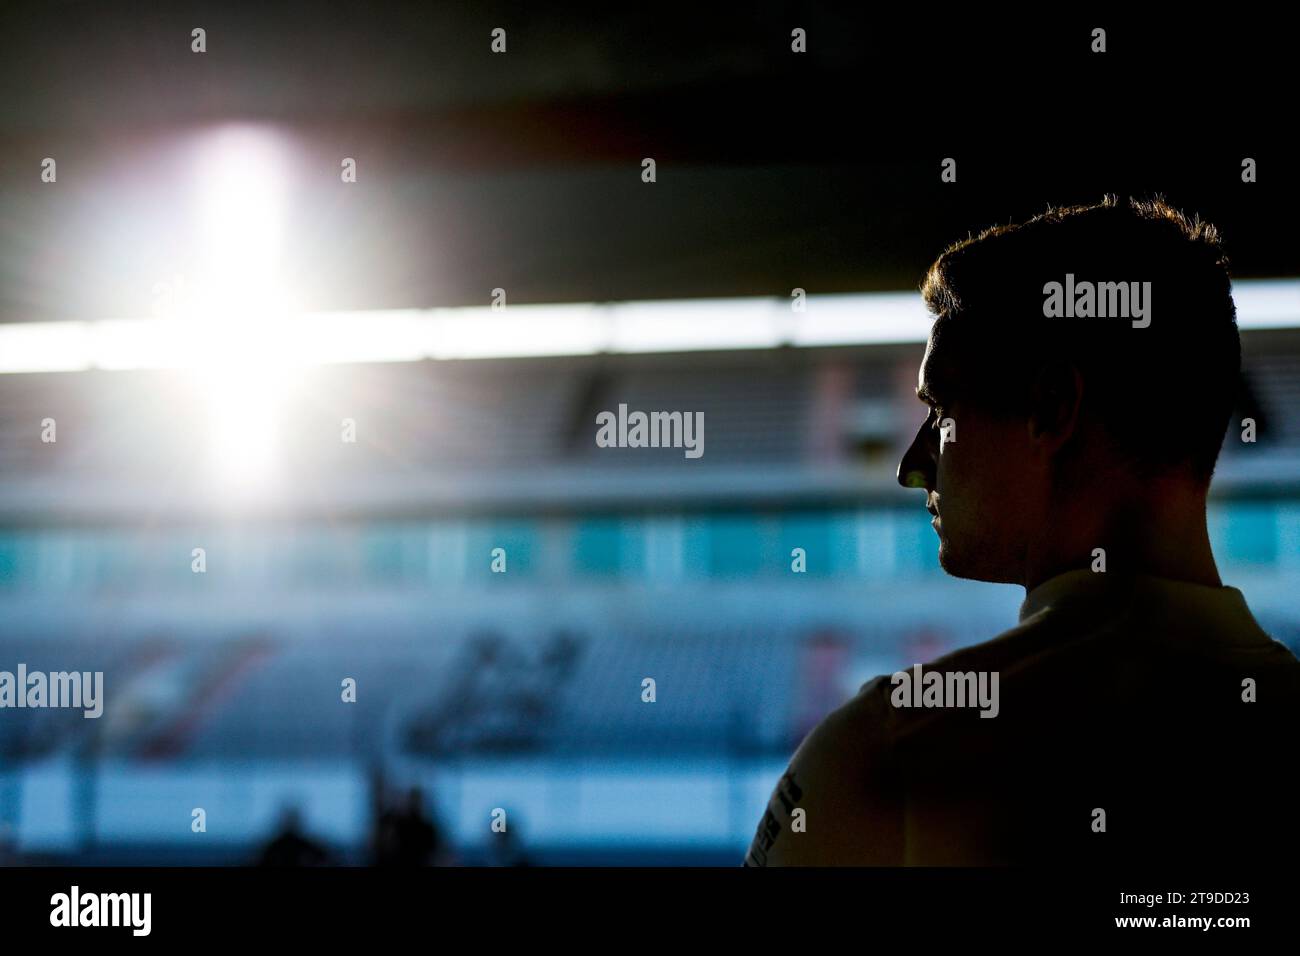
835 803
1067 684
1018 647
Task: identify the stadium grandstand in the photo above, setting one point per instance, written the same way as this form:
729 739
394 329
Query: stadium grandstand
373 560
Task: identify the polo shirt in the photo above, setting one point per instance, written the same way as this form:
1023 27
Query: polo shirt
1138 719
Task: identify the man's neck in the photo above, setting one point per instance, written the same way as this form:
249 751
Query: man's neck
1160 532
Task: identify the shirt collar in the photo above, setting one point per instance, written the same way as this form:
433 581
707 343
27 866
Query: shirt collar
1199 608
1068 587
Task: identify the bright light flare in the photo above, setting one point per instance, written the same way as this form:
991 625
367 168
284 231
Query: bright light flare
241 210
243 352
247 375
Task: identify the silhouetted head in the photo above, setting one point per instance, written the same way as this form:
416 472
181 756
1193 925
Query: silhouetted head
290 819
1081 365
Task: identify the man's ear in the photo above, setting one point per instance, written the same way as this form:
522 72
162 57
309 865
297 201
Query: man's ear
1056 396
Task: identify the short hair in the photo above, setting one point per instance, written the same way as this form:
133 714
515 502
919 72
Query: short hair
987 293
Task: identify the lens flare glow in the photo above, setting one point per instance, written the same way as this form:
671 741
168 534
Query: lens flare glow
238 315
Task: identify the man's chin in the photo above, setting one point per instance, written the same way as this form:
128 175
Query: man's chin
960 565
948 560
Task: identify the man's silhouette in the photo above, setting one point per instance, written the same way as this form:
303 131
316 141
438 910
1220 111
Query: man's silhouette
291 847
1143 715
406 836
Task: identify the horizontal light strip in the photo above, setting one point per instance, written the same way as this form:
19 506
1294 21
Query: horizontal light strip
404 335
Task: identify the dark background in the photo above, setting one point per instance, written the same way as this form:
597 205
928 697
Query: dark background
480 170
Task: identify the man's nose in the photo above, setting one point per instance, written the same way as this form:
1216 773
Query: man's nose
914 469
